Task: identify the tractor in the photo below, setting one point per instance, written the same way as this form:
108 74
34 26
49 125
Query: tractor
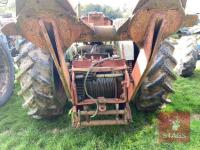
83 60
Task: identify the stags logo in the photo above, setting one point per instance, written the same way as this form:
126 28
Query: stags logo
174 127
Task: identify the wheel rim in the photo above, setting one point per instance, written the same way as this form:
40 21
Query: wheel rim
4 72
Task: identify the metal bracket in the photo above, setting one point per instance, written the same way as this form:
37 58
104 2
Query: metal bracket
59 59
150 49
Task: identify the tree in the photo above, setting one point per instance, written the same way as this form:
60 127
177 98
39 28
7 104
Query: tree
107 10
7 6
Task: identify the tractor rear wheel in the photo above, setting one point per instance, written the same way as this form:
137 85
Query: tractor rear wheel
41 86
153 94
6 72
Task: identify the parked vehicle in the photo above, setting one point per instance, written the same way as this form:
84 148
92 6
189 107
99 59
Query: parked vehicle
97 80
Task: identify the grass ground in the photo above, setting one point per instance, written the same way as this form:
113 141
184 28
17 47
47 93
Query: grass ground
17 131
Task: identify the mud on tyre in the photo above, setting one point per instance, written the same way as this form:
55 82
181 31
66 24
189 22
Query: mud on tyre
41 87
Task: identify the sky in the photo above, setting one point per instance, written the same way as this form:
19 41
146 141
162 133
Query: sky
193 6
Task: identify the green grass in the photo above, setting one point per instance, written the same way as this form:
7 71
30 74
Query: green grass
18 131
187 96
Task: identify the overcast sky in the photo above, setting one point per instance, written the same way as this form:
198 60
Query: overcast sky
192 5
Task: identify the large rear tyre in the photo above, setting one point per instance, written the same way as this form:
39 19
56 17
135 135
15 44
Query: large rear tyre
41 86
153 94
6 72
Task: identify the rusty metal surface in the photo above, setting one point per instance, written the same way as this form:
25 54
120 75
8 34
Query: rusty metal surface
110 112
59 62
103 123
159 5
82 117
125 118
60 11
104 101
107 63
100 69
33 7
139 26
151 45
97 19
190 20
72 29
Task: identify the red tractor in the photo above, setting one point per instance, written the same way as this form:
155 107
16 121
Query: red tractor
97 79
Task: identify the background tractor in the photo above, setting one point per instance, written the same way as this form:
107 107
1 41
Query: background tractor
12 41
95 76
187 50
6 71
7 50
